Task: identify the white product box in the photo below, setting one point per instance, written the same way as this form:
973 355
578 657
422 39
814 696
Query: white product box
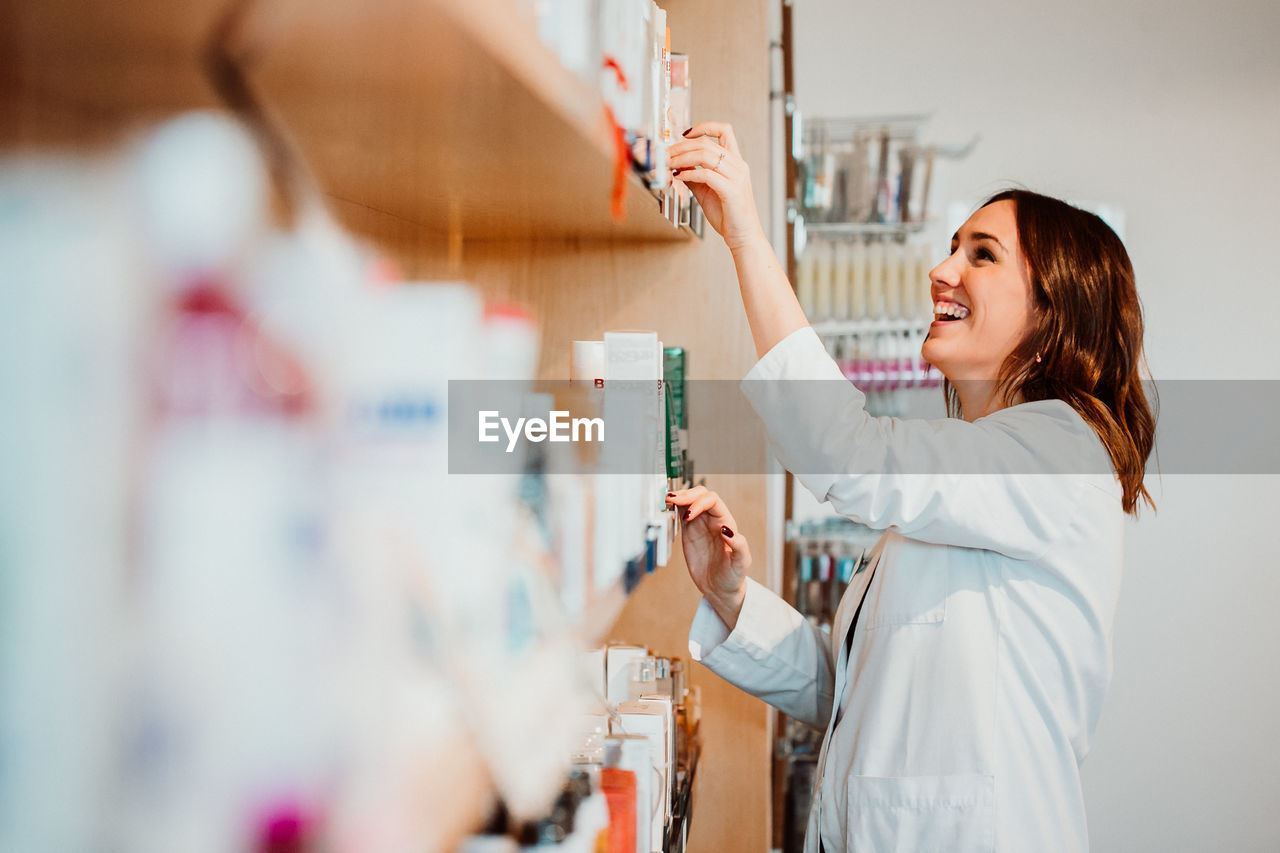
620 664
651 720
631 752
593 666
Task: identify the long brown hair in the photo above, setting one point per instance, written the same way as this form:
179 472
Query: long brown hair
1086 347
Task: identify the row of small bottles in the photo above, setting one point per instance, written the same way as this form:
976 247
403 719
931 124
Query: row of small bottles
825 566
855 280
823 572
630 784
864 172
883 361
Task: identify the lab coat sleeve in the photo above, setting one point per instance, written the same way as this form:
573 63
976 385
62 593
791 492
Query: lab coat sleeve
1007 482
773 653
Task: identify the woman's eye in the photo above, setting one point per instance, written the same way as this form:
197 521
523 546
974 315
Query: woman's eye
984 255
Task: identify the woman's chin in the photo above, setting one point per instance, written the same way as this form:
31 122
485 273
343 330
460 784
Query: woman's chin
936 355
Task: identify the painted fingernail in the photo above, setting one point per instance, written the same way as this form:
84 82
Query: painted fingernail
687 513
687 132
671 494
728 534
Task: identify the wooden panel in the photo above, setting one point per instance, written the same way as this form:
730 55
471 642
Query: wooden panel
85 72
688 293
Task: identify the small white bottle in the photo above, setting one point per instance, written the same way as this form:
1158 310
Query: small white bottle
893 278
858 302
805 272
822 280
840 295
875 280
922 286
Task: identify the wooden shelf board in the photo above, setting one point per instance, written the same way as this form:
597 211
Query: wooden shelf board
445 113
83 73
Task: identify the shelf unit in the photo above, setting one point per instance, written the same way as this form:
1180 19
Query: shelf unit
484 135
473 125
445 133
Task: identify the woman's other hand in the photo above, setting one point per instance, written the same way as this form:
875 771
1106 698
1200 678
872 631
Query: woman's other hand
722 184
714 549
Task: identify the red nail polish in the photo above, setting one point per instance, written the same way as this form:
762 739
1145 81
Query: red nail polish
687 132
728 534
671 494
687 513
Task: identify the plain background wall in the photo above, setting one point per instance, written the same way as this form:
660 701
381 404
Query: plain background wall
1169 110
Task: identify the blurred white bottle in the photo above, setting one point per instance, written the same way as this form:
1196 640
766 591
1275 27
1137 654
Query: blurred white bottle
72 314
875 280
859 301
822 252
806 273
920 285
840 282
236 598
416 548
893 278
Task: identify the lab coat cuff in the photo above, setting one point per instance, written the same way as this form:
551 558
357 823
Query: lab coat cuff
765 619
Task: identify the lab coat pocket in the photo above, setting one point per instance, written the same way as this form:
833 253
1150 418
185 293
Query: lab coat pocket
921 814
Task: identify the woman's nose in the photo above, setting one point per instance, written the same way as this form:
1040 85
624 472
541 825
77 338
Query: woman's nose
947 273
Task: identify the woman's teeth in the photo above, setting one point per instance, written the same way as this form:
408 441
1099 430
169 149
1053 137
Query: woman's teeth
949 311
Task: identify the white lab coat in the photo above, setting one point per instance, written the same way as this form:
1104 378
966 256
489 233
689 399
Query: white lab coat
982 653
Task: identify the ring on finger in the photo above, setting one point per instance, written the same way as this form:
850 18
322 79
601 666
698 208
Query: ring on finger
718 161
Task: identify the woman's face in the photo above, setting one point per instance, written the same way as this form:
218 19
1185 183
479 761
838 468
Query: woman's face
982 300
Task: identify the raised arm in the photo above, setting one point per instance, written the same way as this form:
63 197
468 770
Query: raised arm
1009 482
711 164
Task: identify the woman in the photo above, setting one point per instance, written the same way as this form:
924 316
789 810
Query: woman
968 663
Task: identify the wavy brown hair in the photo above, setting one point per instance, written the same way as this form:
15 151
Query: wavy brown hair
1088 332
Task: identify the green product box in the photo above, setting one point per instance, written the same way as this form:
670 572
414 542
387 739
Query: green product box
673 370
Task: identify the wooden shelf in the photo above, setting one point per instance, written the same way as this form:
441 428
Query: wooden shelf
84 73
447 114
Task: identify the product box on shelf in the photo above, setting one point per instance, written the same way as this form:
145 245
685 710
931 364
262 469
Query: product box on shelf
651 721
631 753
622 665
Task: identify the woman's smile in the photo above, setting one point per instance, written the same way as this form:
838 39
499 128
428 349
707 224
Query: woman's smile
948 311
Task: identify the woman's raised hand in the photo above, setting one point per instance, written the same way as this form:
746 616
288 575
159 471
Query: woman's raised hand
709 162
714 549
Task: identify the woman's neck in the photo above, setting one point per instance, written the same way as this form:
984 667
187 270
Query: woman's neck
982 397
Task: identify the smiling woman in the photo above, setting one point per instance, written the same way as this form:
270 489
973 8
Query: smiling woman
1063 305
967 665
984 304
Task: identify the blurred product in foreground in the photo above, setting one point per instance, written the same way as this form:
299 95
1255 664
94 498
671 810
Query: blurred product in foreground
243 604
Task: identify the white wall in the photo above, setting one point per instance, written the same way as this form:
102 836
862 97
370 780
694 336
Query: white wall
1170 110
